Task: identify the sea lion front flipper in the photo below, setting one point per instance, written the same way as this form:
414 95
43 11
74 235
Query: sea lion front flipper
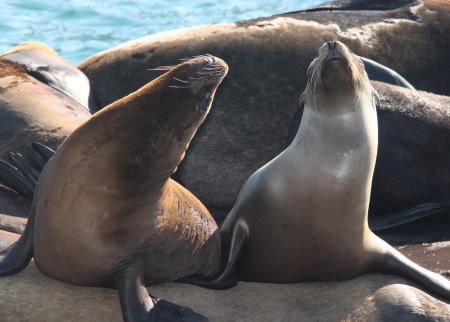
23 173
380 223
389 260
228 278
43 150
138 306
11 178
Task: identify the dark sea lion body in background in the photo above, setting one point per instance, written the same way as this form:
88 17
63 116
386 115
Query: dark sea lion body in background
268 59
31 110
303 216
105 210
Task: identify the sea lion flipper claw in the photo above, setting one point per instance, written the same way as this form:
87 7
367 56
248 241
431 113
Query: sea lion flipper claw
11 178
137 304
45 151
24 167
22 173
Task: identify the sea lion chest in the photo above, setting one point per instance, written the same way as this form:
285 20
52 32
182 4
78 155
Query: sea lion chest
314 195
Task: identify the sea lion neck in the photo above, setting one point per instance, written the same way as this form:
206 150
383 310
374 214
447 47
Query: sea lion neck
158 119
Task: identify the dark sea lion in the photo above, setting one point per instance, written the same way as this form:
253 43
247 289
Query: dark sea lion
33 111
106 212
44 64
303 216
268 59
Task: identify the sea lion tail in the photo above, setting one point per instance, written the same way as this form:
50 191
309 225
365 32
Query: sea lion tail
22 173
392 261
380 223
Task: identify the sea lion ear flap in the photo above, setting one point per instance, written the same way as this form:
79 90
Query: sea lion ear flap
301 99
309 74
310 69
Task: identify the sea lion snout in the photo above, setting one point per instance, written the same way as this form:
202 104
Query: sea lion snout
337 55
208 68
200 74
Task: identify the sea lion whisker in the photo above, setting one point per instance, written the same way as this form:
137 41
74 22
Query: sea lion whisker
180 80
174 86
161 68
187 58
209 72
212 68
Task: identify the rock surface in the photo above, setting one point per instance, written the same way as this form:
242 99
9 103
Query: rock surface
32 297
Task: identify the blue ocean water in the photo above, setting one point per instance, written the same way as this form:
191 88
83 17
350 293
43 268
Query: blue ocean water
80 28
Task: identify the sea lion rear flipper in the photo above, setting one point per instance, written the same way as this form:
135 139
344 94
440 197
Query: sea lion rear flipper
17 256
380 223
138 306
392 261
227 278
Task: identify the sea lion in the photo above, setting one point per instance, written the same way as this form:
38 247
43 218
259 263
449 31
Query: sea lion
106 212
43 63
268 59
303 216
33 111
415 172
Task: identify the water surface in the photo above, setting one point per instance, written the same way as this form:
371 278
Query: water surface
80 28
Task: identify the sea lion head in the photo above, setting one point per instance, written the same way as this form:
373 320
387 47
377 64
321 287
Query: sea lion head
193 82
155 124
190 89
336 77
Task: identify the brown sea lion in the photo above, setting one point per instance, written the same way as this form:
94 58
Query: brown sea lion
268 59
43 63
106 212
303 216
33 111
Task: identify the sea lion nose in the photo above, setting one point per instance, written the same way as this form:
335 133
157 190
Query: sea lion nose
331 45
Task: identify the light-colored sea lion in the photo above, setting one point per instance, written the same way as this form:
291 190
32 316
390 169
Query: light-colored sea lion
409 171
268 59
303 216
105 210
43 63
